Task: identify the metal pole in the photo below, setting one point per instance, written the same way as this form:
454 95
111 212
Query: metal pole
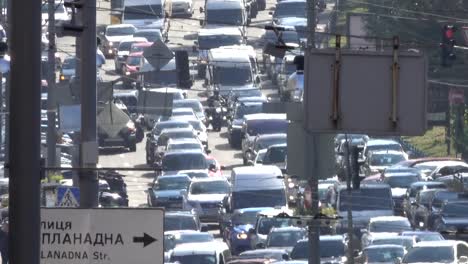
88 181
312 143
51 105
350 256
24 166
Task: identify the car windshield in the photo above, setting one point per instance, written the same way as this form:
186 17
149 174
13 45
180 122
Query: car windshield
385 159
365 199
193 238
401 181
137 48
287 36
176 222
400 241
213 187
265 224
259 198
285 238
126 46
69 64
455 209
301 250
134 60
173 183
264 143
142 12
160 126
194 259
290 9
216 41
396 147
248 110
383 254
151 36
332 248
224 16
182 146
276 155
184 162
261 127
439 254
390 226
244 218
120 31
197 125
195 105
164 138
233 75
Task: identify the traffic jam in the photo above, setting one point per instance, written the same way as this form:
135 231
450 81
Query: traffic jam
191 81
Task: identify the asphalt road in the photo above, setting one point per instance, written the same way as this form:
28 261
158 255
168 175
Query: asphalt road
182 35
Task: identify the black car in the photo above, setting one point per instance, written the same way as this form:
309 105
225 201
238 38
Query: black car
152 137
331 247
414 189
421 207
438 200
452 221
237 120
262 142
400 181
169 191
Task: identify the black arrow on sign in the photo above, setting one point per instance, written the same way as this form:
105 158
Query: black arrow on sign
145 239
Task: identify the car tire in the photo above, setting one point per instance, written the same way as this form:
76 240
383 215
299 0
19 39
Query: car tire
244 161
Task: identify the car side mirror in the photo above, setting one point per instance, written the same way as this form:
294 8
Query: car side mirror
208 151
222 167
414 203
202 10
463 259
258 80
250 163
212 167
270 13
260 246
148 135
252 231
204 228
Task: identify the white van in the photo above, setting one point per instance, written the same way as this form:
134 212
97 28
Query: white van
260 186
249 51
148 14
225 13
229 71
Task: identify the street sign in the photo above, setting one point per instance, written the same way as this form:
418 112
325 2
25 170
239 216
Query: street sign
378 93
102 236
68 196
456 96
158 54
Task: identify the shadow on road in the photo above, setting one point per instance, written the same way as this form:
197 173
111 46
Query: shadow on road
112 151
238 156
223 147
223 135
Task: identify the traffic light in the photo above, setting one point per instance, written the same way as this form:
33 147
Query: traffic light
447 45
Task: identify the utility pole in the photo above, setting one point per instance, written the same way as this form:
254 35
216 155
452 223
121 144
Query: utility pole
312 145
24 163
51 102
350 257
88 180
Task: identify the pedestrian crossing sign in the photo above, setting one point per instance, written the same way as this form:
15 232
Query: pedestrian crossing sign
68 197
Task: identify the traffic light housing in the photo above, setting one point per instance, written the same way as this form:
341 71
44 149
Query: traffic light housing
447 45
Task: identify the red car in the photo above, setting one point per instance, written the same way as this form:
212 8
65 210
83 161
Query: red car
132 65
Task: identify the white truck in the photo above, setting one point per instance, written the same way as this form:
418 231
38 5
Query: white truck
148 14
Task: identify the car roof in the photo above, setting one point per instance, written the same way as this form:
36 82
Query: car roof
177 121
179 213
191 248
226 57
120 26
223 4
173 176
331 237
182 109
251 99
166 90
175 130
287 229
190 100
290 1
426 183
210 179
183 141
387 219
393 152
384 246
142 44
233 31
441 243
378 142
252 209
175 232
418 232
365 185
277 135
264 250
444 163
251 170
412 162
282 145
265 116
184 152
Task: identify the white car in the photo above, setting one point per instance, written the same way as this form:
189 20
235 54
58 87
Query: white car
184 112
61 13
184 144
113 35
447 251
384 226
198 125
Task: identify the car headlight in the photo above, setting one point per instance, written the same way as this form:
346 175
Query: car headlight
242 236
236 126
111 44
218 110
127 73
291 198
291 185
62 77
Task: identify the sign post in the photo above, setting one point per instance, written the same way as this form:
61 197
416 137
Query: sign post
102 236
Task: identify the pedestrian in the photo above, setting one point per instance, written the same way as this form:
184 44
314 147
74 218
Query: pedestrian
4 241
